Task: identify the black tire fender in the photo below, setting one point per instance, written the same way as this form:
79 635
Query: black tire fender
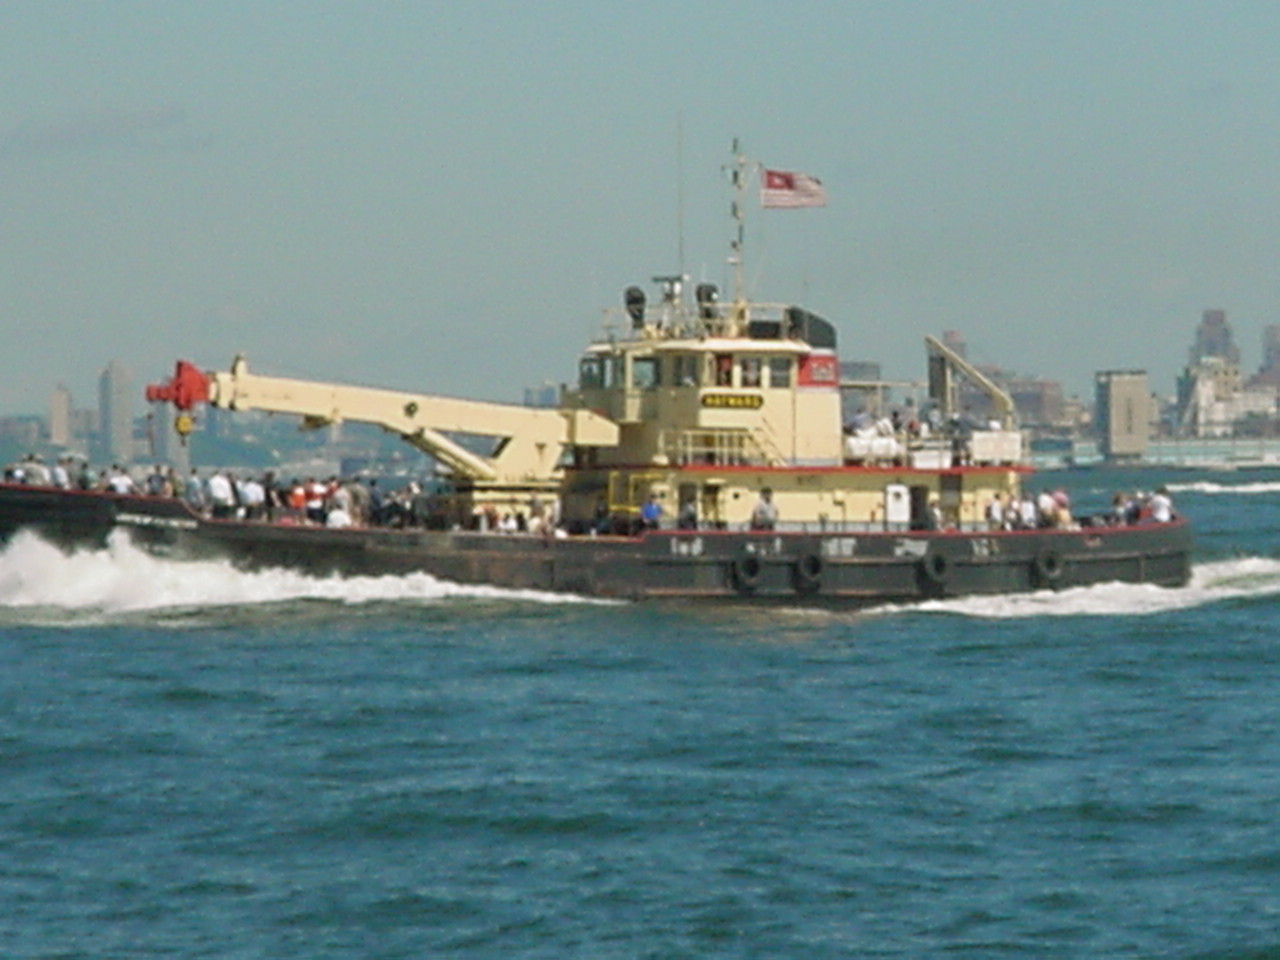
935 567
1047 567
747 571
808 572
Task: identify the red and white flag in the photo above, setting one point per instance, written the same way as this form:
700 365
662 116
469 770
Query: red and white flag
784 189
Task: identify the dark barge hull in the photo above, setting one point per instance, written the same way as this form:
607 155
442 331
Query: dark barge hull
841 569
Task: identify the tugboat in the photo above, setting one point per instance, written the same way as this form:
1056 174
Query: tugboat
700 455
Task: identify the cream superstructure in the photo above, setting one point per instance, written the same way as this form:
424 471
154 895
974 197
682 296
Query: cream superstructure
715 402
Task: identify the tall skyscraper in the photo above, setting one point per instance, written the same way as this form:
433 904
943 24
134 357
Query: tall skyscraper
60 417
115 412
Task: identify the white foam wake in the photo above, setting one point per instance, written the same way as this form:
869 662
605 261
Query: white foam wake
123 579
1213 487
1210 583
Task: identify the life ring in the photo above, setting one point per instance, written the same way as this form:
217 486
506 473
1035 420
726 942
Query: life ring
1047 567
935 568
747 570
808 573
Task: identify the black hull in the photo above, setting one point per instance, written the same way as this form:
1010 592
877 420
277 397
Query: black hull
841 569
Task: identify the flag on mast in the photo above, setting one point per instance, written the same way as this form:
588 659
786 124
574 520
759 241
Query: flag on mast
784 189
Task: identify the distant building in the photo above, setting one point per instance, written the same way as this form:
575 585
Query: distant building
1214 339
1123 413
115 411
83 423
1211 399
1039 402
547 395
954 341
22 430
61 417
863 392
1269 374
1271 346
1212 396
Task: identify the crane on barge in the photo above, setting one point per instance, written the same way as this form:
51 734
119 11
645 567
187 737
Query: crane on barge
529 449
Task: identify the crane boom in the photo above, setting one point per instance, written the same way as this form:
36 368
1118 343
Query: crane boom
530 445
944 363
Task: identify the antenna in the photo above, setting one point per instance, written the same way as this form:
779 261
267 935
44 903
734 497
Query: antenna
680 191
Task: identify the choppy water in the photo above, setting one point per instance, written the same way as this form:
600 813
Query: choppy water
203 763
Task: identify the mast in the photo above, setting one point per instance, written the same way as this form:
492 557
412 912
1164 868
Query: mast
737 208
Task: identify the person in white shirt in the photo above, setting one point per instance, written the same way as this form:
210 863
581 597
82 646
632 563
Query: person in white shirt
58 472
253 496
1161 506
222 497
121 482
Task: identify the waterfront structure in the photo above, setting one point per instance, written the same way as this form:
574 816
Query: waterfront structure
1123 414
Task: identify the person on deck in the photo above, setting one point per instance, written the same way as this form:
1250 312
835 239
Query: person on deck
193 492
156 481
688 516
222 496
996 512
1161 506
651 513
316 493
765 514
119 481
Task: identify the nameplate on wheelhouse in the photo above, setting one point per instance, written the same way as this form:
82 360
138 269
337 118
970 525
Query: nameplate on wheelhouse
733 401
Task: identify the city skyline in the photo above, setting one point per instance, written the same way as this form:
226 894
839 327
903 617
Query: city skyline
1212 337
443 198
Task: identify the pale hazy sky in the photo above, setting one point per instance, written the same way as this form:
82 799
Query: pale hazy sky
443 196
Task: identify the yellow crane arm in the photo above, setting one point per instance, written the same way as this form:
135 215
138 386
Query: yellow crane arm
530 441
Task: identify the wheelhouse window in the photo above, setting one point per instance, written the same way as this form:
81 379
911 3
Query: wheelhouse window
779 371
686 370
591 373
751 371
645 373
724 370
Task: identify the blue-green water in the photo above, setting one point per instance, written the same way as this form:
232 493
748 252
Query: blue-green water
202 763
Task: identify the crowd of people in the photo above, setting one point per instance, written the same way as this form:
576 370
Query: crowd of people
336 502
225 495
886 439
71 473
1052 510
